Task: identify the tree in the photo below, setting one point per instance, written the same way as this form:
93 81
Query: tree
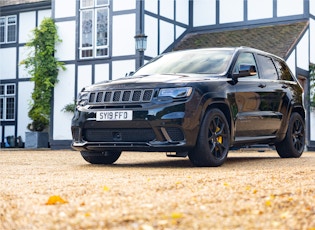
44 68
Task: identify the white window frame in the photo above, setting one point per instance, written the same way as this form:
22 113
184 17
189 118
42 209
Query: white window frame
93 7
6 95
6 26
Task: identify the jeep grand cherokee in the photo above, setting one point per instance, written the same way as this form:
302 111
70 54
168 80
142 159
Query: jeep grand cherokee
198 103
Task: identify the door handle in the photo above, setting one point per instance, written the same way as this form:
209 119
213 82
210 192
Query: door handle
262 85
284 86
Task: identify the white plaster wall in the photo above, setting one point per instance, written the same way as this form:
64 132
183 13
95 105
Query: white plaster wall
166 35
23 54
289 7
231 11
167 8
66 49
123 34
258 9
312 7
27 23
151 5
182 11
25 90
8 63
302 52
179 31
312 40
101 72
9 130
65 8
43 14
151 30
84 76
204 12
63 95
120 68
291 62
123 5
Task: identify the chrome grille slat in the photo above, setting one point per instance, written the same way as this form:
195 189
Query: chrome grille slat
121 96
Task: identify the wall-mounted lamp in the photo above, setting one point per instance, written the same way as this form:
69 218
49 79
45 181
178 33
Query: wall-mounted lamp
141 46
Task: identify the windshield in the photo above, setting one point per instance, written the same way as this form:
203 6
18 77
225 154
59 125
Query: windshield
191 61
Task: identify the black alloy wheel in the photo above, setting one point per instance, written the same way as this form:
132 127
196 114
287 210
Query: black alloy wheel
213 142
292 146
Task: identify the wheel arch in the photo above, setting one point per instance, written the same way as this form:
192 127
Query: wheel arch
221 105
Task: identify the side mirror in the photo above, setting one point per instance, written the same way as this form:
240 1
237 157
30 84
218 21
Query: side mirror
246 70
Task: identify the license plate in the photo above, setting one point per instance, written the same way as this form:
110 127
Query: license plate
117 115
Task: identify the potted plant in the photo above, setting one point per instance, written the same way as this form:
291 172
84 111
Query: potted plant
43 67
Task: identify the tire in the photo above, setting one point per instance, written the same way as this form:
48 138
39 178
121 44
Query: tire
213 141
106 157
292 146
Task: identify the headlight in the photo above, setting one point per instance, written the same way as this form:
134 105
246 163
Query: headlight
175 92
83 98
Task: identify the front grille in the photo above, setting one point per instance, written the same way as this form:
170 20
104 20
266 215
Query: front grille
175 134
119 135
121 96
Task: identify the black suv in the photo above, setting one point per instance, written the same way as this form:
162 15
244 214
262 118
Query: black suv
198 103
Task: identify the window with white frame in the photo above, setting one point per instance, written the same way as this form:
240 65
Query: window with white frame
94 28
7 102
8 27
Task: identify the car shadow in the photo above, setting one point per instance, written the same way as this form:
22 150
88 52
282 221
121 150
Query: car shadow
185 163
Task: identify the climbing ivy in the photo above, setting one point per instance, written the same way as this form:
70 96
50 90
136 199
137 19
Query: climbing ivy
312 83
43 67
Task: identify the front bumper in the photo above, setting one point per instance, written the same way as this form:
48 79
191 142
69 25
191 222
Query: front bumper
171 128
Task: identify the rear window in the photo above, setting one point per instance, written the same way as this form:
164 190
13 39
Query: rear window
267 68
192 61
283 70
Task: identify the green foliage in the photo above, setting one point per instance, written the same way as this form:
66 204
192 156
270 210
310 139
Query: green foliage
312 84
44 68
69 108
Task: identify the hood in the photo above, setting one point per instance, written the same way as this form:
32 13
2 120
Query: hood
152 81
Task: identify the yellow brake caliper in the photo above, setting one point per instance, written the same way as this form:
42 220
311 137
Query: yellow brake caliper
219 138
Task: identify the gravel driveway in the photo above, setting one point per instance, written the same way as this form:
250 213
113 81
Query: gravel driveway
252 190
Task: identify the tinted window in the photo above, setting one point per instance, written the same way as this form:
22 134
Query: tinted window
283 70
245 59
192 61
267 69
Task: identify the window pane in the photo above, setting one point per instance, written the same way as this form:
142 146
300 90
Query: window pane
101 2
87 53
10 89
101 35
1 108
2 29
1 89
11 33
87 3
87 29
10 108
101 52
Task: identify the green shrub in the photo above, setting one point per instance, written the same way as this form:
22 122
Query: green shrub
44 68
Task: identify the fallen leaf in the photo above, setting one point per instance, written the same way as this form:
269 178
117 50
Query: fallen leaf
105 188
53 200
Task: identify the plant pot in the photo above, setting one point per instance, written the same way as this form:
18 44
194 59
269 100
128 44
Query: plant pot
34 140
